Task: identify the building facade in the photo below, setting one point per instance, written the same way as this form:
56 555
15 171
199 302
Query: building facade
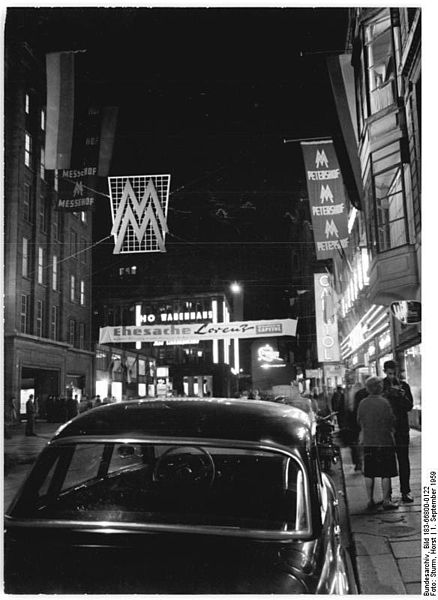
47 285
205 368
382 264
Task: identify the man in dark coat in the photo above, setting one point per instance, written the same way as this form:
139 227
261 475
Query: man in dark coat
30 416
400 397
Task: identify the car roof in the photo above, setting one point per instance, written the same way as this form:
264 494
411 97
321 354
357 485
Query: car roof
258 421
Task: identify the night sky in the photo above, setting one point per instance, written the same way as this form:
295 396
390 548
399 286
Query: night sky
207 95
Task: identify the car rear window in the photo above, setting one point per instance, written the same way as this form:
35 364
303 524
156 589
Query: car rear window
177 484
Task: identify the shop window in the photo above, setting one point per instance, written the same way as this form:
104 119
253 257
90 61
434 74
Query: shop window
27 104
380 63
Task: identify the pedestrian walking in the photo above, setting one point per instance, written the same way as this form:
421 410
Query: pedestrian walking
353 428
12 411
400 398
377 424
338 406
30 416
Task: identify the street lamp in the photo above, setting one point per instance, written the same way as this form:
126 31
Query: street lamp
235 287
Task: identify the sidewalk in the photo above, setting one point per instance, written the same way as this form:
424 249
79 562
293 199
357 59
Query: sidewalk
20 453
387 545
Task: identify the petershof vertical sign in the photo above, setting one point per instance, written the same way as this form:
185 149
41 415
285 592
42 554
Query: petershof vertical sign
326 319
326 196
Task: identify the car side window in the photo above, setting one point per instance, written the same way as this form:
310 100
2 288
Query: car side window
44 488
126 456
84 464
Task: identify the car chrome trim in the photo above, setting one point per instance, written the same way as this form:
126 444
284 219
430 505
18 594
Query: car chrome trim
101 526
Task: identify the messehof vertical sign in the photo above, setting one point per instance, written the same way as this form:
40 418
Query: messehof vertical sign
139 212
327 198
326 319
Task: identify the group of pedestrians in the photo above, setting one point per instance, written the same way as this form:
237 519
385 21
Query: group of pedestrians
376 425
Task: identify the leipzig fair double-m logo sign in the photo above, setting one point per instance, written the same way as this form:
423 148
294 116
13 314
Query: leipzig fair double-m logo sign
139 212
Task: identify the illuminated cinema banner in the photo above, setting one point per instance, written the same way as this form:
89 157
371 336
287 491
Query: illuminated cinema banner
326 319
139 212
196 332
327 198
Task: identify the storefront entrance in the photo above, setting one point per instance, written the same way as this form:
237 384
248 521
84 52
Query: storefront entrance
41 383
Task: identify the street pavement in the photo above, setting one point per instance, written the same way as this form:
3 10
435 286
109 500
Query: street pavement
385 546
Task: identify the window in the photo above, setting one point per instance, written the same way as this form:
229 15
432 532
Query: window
25 258
43 164
40 265
43 215
27 104
57 225
82 336
54 273
27 203
258 490
54 323
24 314
83 216
84 465
27 149
72 288
39 318
82 292
388 208
380 63
73 243
71 331
43 119
55 180
83 254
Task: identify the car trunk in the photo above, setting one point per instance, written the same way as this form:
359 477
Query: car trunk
73 562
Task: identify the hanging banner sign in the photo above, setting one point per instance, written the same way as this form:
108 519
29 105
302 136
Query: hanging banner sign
326 196
92 148
195 332
326 319
76 189
79 136
139 212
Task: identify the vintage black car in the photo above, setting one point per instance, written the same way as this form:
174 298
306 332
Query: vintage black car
178 496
